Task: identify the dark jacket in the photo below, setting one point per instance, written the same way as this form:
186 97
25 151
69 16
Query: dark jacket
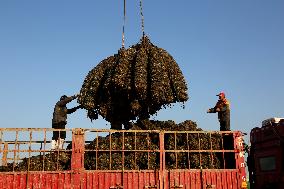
60 110
224 110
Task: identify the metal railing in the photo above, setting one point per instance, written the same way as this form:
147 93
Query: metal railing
29 150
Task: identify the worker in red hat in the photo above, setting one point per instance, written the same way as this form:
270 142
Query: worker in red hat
223 109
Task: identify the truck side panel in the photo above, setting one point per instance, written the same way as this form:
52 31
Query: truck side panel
187 179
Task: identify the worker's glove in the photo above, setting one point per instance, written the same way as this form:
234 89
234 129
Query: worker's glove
211 110
77 95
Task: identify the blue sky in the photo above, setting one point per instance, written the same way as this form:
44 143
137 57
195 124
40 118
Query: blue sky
48 47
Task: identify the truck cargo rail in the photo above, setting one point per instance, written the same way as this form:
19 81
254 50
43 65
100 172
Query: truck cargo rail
99 158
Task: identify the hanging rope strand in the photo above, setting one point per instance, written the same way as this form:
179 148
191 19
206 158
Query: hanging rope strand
124 18
142 18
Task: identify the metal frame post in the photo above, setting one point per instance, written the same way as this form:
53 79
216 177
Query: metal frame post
162 160
77 160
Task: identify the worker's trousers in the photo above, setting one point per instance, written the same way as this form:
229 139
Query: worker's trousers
225 125
59 134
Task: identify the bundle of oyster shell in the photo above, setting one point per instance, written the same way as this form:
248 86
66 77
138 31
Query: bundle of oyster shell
134 83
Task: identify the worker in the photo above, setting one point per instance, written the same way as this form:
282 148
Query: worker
222 107
59 120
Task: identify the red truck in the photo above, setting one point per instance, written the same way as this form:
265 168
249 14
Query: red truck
266 155
22 145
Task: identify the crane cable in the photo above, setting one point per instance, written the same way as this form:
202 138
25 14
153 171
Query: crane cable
142 18
124 21
124 18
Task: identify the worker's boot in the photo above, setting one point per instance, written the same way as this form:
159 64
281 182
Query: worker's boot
60 143
53 144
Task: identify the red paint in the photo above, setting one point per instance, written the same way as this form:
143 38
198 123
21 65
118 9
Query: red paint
88 179
79 178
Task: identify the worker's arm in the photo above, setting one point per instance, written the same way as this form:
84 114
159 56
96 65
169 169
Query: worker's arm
211 110
66 100
215 109
70 111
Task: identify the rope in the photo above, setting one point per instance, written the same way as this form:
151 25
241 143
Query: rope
124 18
142 18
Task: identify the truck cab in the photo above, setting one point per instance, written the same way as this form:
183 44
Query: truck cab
266 154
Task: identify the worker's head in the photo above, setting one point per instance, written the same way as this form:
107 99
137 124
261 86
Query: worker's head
63 97
221 95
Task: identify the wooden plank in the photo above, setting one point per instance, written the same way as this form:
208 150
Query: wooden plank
182 178
67 180
83 180
176 179
224 180
54 180
143 179
234 181
9 182
119 179
48 181
20 185
198 180
172 178
218 180
14 176
205 178
135 180
14 180
34 181
89 180
229 179
140 180
107 181
129 177
187 179
60 181
166 178
101 180
41 181
112 180
193 180
208 178
2 177
126 181
214 179
23 181
157 172
96 180
152 179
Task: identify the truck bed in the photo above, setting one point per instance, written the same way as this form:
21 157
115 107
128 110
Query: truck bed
231 173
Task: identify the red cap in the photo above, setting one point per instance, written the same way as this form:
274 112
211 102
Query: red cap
221 94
